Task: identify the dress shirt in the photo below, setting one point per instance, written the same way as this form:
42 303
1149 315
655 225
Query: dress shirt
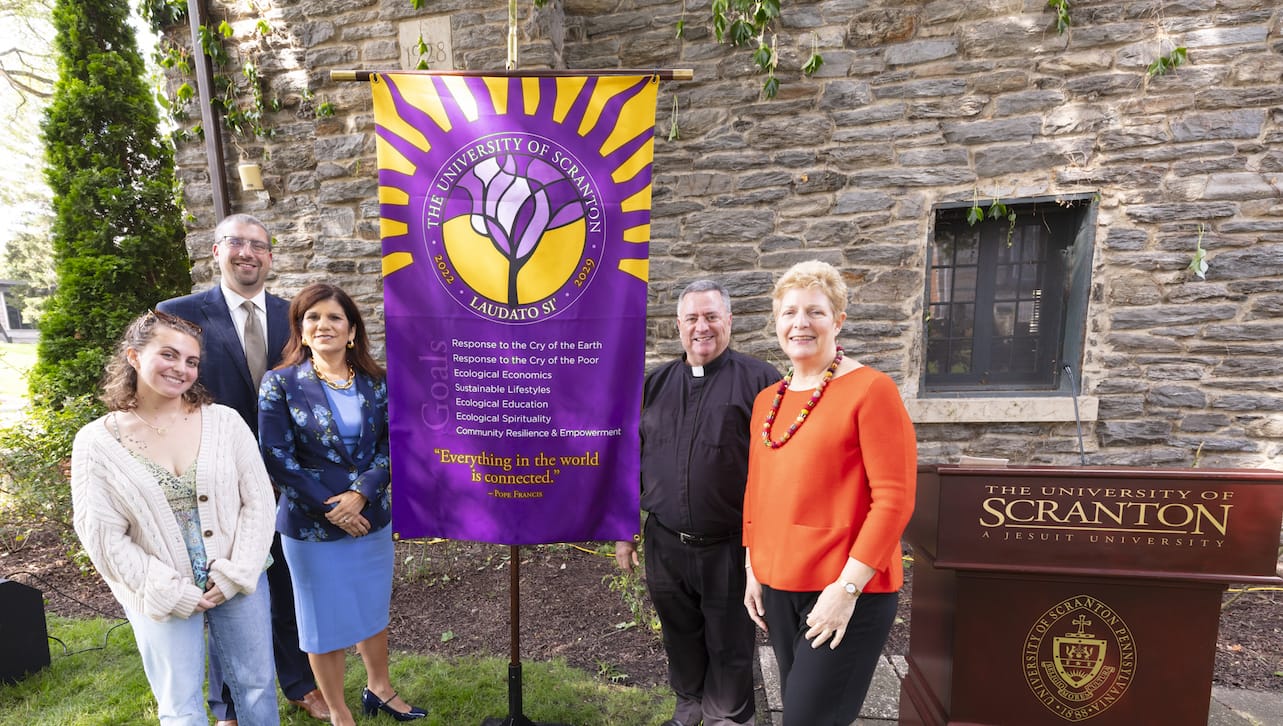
234 306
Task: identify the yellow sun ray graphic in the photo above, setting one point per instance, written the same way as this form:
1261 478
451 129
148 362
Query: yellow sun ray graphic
391 158
567 91
639 269
635 164
638 234
530 95
393 195
392 228
462 96
420 93
385 109
498 88
396 261
635 119
638 201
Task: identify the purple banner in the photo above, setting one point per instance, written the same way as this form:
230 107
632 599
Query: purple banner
515 216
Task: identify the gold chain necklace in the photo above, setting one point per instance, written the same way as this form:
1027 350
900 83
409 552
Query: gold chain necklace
351 378
801 417
160 430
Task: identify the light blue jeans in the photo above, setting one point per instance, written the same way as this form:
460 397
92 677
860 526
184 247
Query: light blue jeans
173 654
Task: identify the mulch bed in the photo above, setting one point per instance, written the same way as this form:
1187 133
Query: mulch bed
451 598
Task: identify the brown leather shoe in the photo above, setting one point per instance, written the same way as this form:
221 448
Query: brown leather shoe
314 704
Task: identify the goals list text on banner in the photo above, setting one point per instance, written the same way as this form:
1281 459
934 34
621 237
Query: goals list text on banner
515 216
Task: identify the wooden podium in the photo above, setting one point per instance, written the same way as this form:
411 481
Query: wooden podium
1053 595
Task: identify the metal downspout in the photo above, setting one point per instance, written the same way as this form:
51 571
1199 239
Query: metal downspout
197 17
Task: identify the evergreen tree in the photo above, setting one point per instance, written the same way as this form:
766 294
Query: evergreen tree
118 236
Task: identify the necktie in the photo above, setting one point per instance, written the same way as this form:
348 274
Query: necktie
255 344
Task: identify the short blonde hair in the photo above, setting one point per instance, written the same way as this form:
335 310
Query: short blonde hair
812 273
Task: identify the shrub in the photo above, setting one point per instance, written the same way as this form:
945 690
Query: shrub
35 463
118 236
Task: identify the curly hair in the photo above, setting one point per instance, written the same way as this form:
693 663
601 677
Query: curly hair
120 379
812 273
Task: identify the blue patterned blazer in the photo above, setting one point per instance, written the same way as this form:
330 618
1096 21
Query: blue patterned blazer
307 459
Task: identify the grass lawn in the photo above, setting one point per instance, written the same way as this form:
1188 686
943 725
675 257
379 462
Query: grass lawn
101 681
15 360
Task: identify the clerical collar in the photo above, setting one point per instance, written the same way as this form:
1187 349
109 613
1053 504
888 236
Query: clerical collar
708 368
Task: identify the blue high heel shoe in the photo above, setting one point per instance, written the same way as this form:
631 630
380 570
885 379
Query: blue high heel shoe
372 704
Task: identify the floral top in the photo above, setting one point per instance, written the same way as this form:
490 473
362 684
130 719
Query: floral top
180 492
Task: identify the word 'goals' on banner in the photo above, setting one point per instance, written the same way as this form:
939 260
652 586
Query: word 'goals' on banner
515 222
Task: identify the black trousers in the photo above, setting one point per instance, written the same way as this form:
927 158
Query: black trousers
293 671
822 686
698 592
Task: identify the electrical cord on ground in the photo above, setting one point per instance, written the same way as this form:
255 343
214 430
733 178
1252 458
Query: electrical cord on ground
581 548
66 652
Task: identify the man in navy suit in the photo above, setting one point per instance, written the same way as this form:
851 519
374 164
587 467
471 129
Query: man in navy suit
243 248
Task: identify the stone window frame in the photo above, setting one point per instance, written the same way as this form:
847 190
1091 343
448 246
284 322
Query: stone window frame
1059 402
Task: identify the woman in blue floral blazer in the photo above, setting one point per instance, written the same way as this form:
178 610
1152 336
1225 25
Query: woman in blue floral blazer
323 429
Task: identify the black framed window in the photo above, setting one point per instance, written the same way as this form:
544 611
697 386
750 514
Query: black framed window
1006 301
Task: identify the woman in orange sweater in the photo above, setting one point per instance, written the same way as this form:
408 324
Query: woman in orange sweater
830 490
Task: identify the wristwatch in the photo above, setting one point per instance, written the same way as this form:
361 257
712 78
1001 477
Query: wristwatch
850 588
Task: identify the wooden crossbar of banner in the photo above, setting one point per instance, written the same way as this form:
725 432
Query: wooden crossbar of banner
664 74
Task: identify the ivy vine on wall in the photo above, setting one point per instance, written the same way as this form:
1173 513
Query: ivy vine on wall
1160 66
1169 62
748 23
240 95
743 24
1062 14
997 210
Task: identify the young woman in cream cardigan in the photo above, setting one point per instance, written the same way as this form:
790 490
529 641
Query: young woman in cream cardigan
173 504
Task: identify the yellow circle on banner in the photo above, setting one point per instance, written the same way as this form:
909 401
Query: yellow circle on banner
486 270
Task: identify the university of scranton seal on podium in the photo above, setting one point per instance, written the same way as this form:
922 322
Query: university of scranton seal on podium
1079 658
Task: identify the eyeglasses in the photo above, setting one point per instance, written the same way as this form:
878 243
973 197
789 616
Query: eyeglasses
238 244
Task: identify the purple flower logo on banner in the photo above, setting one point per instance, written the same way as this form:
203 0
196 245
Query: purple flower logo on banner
516 199
516 227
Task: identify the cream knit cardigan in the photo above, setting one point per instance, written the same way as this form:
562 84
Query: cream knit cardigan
127 527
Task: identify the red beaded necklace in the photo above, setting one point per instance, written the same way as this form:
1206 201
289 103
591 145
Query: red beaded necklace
801 417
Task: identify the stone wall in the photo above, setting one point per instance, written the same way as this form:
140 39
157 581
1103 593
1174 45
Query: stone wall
917 104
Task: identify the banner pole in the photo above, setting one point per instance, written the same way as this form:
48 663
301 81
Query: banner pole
516 717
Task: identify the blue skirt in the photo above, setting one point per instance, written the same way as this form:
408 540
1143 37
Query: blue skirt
342 589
